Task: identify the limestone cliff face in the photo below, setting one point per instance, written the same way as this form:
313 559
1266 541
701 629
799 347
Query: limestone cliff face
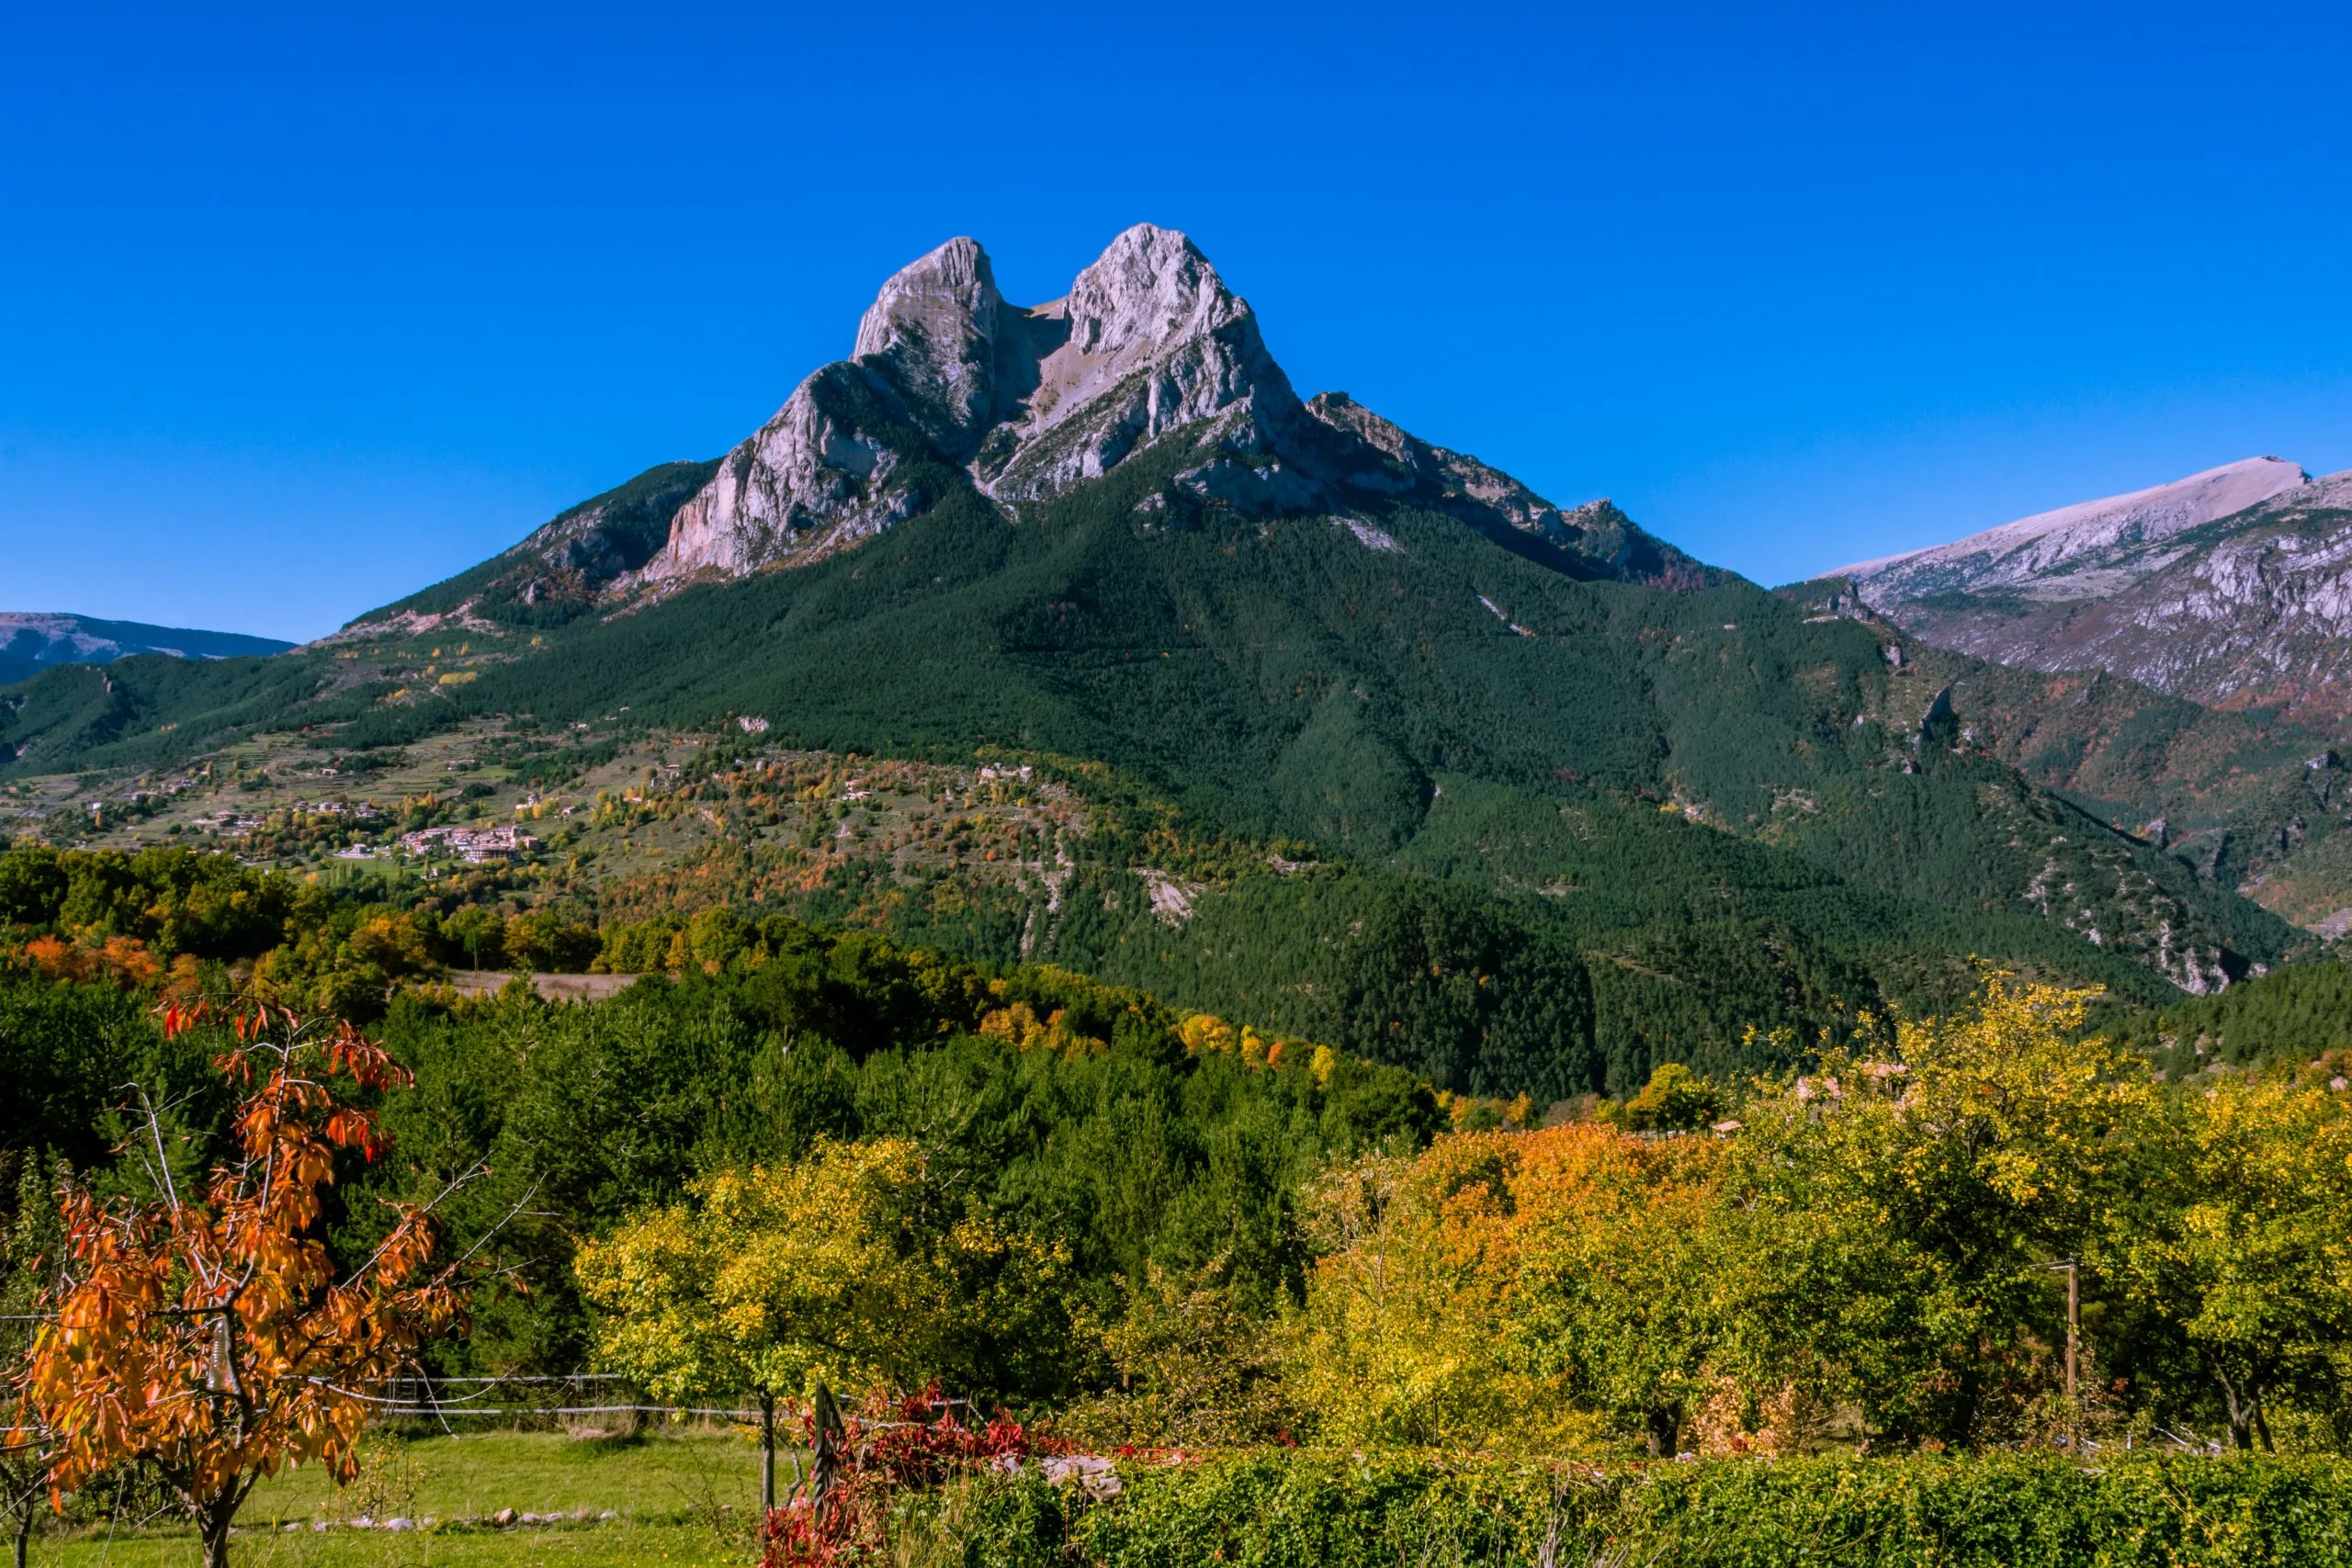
2231 589
1033 400
1148 345
811 479
1150 341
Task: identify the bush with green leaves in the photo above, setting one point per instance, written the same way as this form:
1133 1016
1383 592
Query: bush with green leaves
1279 1510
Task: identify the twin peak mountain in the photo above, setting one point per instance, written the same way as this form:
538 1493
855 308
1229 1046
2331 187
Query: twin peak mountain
951 384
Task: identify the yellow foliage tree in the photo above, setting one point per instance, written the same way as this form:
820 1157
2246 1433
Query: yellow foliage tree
1925 1196
1406 1333
2244 1247
839 1269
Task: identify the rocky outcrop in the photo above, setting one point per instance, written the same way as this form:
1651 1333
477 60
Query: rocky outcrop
2250 609
949 383
817 477
575 556
1593 540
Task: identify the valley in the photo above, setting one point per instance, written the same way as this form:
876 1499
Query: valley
1199 916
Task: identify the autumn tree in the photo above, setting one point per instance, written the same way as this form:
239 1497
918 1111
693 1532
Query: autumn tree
848 1268
2243 1246
1191 1366
31 1250
1676 1100
1620 1272
1902 1212
1406 1335
211 1335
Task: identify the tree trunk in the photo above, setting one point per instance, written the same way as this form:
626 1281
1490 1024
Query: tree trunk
767 1457
1664 1428
24 1531
2241 1411
826 1417
213 1525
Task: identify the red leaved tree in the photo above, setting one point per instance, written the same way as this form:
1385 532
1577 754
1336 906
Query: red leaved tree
907 1445
212 1336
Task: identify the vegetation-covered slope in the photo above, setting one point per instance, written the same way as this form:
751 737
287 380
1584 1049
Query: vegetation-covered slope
2246 797
1632 823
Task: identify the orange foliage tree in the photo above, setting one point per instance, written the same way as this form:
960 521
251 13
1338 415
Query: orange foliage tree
1620 1270
213 1337
1516 1288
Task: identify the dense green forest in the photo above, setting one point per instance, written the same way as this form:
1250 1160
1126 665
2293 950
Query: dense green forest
2292 1016
1135 1150
1579 981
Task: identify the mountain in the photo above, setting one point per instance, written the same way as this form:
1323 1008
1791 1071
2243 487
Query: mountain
32 642
950 388
2178 661
2232 588
2059 554
1347 730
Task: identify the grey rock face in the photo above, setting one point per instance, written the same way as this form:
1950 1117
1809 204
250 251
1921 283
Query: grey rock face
1148 341
1148 345
2251 608
936 323
1152 342
1595 539
812 479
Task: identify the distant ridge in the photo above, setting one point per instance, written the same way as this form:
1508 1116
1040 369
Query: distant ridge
2230 588
2037 553
31 642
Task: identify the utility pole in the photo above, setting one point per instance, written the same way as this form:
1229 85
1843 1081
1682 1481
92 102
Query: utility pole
2073 1338
2074 1321
2073 1271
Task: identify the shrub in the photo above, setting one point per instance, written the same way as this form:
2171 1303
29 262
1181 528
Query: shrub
2016 1510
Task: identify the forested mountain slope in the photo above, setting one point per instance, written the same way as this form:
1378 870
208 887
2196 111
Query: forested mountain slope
2175 659
1571 800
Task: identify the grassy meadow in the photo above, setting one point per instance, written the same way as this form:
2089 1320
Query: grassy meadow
686 1497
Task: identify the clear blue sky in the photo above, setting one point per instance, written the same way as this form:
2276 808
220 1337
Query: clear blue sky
301 309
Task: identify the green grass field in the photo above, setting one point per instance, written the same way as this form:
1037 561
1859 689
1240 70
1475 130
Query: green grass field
687 1498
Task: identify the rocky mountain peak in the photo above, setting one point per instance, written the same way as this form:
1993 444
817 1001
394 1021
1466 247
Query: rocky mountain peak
1148 341
936 322
1148 293
1032 401
1148 345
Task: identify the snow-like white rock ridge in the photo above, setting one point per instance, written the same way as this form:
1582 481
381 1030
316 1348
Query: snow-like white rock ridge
2033 552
